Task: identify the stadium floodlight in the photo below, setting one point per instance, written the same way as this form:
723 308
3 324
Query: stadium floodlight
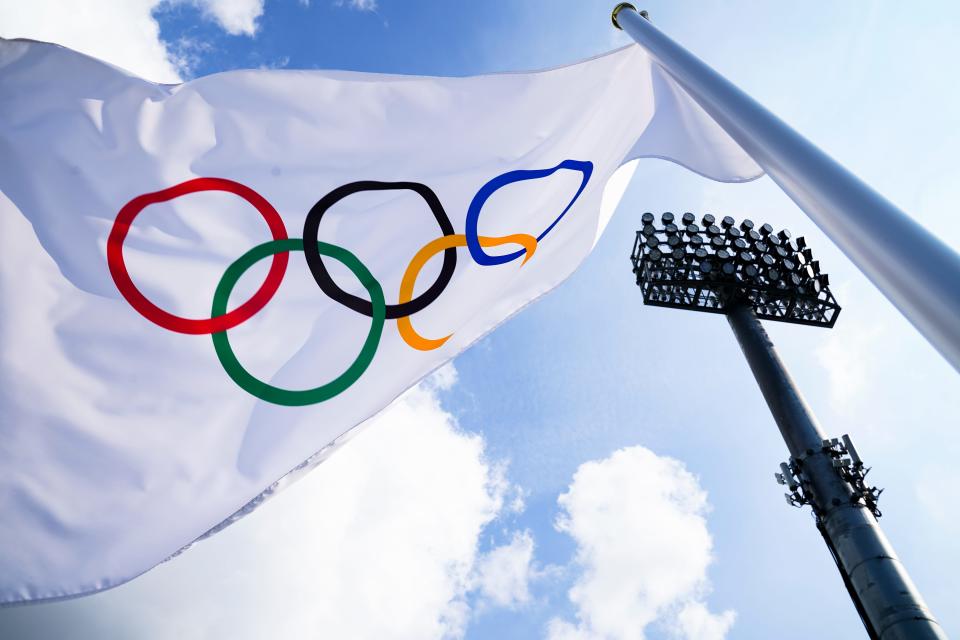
750 273
735 266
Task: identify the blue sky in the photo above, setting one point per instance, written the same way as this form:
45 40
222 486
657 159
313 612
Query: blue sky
589 371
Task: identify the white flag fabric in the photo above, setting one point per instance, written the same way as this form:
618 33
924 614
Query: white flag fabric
206 286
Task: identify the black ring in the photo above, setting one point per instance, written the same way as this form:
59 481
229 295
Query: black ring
314 260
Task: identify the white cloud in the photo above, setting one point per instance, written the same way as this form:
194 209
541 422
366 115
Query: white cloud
695 621
122 32
503 574
237 17
381 539
443 378
360 5
186 54
518 502
643 547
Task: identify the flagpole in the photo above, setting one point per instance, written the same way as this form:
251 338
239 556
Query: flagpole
913 268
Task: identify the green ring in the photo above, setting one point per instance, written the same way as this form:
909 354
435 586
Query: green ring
324 392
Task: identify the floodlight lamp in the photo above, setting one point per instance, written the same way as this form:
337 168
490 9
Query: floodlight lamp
731 264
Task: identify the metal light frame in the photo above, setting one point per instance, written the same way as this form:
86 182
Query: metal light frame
709 267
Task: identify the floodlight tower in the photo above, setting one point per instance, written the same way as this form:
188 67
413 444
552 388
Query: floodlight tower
747 273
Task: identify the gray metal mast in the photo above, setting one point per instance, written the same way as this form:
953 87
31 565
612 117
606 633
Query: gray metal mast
747 273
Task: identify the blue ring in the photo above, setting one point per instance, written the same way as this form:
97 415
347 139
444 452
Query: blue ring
487 190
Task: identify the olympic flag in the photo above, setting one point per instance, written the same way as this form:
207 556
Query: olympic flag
207 286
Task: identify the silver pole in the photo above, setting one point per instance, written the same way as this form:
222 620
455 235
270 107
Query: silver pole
888 601
917 272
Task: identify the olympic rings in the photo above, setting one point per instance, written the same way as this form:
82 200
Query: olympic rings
312 225
219 322
487 190
280 246
404 327
286 397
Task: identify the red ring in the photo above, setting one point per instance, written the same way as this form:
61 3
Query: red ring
150 311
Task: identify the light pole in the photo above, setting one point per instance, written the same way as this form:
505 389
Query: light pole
747 273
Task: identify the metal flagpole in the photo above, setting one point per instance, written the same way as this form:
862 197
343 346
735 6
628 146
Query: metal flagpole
917 272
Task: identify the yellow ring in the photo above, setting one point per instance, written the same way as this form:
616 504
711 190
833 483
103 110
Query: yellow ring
432 248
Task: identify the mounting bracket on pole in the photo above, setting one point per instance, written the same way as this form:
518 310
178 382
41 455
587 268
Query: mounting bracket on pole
848 465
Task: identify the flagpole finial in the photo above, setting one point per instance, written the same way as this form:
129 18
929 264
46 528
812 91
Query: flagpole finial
620 7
